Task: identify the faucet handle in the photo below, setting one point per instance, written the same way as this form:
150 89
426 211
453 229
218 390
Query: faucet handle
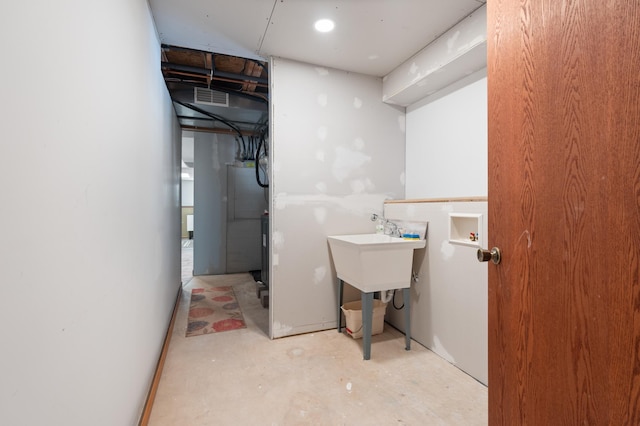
390 228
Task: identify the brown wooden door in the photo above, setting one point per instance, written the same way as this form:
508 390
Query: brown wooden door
564 208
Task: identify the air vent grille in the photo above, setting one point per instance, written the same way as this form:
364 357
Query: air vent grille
210 97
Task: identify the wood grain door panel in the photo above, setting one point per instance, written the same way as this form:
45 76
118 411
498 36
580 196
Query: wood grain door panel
564 207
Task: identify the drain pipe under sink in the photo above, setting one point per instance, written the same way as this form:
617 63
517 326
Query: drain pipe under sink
386 296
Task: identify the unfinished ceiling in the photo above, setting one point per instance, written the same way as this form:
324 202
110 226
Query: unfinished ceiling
224 46
215 92
370 37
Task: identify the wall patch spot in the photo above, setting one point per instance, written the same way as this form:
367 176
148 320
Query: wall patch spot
413 69
280 201
402 123
452 40
403 178
359 144
347 161
323 72
357 103
362 186
322 133
323 99
320 155
369 185
321 187
319 273
447 249
320 214
277 239
357 186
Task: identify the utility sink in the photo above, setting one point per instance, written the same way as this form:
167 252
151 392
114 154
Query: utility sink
370 263
373 262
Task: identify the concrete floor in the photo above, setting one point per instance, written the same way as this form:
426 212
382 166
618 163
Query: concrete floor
242 377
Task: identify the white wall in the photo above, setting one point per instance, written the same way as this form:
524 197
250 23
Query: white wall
447 141
337 153
447 158
449 311
187 193
90 255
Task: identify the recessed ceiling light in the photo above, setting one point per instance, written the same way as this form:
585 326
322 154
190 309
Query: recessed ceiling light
324 25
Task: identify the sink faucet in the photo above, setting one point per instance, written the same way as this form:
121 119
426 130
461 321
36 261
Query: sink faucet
391 228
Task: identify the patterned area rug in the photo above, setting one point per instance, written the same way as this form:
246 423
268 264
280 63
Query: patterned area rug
212 310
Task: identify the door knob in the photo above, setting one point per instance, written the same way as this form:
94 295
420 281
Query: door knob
489 255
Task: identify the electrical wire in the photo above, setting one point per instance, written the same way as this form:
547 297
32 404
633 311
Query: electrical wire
393 302
261 145
238 148
262 150
215 117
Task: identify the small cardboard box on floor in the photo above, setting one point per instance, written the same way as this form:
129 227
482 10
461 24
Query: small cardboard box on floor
353 315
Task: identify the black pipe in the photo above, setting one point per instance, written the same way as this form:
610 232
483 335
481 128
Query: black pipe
186 68
242 77
214 116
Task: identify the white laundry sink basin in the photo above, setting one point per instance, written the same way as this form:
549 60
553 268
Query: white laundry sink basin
373 262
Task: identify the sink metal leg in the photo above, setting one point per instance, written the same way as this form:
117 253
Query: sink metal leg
406 297
340 288
367 321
